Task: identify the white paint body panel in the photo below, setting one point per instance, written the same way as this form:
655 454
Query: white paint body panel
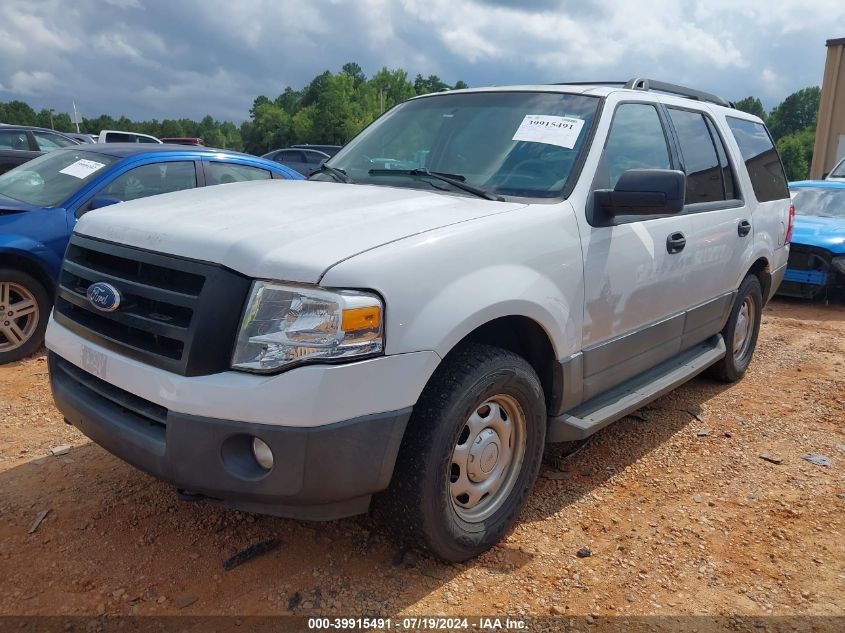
442 285
281 229
307 396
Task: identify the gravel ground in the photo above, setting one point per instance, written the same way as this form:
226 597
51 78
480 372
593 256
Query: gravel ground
679 512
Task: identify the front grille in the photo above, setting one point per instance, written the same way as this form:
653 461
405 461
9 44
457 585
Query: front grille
803 257
177 314
148 415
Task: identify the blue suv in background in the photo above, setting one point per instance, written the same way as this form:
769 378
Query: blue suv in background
41 200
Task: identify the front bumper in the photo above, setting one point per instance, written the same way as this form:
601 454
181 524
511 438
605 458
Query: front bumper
320 473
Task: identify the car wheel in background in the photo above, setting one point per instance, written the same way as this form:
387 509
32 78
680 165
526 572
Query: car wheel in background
24 310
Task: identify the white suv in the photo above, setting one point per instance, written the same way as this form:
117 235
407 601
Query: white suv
494 269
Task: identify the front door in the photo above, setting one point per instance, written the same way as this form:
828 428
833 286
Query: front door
635 272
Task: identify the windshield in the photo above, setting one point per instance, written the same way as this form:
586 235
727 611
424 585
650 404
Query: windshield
839 170
826 203
52 178
521 144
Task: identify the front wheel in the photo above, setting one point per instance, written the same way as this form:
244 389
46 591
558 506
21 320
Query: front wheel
24 309
471 454
740 332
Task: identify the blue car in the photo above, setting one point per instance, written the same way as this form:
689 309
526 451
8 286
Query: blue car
41 200
817 255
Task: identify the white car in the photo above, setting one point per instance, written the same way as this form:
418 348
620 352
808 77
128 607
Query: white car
410 337
838 171
119 136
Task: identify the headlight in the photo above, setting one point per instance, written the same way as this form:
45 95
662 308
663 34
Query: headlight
839 263
287 324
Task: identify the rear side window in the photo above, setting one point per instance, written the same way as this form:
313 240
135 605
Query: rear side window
151 180
47 142
761 159
13 140
706 167
223 173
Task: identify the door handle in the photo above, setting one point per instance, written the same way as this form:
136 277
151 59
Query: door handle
675 243
743 228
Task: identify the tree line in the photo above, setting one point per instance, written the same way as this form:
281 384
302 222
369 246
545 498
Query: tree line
334 107
331 109
792 124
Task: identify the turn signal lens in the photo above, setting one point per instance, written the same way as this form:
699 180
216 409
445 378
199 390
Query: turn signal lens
368 318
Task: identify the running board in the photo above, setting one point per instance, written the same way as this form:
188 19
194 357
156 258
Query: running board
598 412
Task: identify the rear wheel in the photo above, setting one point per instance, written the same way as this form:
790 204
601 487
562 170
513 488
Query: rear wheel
740 332
24 308
470 456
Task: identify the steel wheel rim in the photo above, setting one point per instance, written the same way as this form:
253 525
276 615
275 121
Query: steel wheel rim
744 329
487 458
18 315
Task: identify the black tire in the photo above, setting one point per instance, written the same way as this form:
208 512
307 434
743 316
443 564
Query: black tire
419 507
732 367
35 337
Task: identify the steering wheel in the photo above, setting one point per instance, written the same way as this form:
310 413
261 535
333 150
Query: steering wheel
530 170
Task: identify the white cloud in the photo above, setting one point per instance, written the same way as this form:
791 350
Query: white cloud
187 58
28 83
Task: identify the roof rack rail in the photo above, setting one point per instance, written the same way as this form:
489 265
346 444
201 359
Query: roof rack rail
661 86
589 83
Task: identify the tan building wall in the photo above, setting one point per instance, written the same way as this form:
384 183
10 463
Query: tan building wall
830 132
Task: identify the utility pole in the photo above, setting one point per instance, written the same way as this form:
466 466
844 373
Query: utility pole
75 116
51 119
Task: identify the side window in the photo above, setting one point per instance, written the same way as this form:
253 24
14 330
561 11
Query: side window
144 139
636 141
761 159
150 180
48 142
223 173
728 180
13 140
314 158
703 168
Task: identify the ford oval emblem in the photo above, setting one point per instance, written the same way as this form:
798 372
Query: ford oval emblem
103 296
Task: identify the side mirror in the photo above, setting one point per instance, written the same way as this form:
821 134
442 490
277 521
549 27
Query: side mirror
644 192
104 201
824 175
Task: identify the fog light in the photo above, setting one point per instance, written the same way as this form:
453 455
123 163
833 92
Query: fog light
263 454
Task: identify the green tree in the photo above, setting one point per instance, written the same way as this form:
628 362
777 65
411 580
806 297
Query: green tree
796 152
354 70
171 128
752 105
432 83
19 113
797 112
302 125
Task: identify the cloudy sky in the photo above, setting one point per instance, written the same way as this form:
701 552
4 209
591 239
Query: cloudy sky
174 58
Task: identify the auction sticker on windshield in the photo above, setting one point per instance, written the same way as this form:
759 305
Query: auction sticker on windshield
82 168
562 131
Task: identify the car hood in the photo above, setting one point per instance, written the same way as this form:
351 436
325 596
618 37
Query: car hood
281 229
827 233
9 206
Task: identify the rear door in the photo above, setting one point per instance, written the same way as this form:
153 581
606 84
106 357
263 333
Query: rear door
766 180
636 290
14 149
720 238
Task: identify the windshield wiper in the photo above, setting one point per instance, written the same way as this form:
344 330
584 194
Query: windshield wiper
455 180
337 174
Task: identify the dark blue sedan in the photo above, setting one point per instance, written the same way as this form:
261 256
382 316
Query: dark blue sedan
41 200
